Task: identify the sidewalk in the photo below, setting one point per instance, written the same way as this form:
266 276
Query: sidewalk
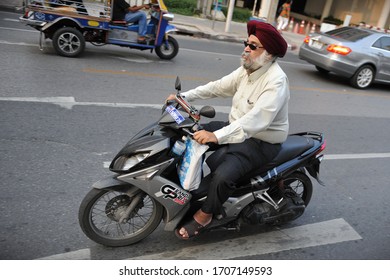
215 30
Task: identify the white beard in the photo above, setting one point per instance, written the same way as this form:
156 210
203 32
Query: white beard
254 64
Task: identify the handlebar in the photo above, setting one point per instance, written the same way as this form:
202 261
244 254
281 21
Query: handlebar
191 110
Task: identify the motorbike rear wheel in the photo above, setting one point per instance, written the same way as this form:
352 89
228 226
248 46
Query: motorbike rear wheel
101 210
301 184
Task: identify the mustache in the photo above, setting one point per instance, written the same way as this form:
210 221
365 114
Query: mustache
245 54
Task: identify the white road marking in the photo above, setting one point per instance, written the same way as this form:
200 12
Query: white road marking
358 156
323 233
317 234
69 101
18 29
18 44
83 254
11 19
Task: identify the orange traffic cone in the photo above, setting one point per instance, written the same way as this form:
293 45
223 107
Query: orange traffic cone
302 27
291 24
313 28
296 28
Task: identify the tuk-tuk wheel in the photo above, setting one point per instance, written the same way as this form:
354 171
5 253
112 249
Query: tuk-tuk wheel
168 49
68 41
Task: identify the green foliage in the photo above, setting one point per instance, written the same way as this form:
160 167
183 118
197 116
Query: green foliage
181 7
239 14
188 8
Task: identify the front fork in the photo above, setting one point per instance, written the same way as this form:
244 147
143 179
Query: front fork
136 196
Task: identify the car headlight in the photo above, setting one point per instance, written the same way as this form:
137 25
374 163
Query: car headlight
125 163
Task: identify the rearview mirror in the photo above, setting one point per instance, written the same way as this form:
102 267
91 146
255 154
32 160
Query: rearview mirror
207 111
178 84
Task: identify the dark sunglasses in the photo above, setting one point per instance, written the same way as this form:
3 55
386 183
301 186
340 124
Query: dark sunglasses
253 47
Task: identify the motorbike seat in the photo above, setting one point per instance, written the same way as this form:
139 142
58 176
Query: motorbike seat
291 148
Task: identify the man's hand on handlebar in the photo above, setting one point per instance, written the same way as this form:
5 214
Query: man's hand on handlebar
170 98
204 137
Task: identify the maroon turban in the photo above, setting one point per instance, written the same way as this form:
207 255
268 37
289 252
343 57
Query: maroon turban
268 36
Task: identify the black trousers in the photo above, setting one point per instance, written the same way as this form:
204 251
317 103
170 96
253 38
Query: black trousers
236 161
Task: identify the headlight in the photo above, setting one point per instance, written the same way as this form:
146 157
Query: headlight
125 163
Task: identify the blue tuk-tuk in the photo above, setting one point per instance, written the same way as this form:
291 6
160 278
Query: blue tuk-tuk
70 24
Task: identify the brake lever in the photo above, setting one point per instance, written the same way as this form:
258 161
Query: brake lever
188 132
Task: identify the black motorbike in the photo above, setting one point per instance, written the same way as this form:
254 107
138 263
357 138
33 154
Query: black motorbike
144 188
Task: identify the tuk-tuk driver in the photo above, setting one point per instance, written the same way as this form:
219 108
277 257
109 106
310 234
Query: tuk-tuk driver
123 11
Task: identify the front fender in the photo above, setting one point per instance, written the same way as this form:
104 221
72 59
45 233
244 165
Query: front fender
111 183
170 28
174 199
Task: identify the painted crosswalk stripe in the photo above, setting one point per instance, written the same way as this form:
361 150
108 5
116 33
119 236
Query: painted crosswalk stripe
317 234
323 233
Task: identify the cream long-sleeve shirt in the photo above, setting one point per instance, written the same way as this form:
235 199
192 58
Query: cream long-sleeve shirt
259 105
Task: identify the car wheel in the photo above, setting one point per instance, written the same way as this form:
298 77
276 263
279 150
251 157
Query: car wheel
322 70
363 77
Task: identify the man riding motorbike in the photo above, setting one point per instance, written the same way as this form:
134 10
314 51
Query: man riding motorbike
258 120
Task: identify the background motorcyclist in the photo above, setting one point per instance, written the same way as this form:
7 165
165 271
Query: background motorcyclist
258 120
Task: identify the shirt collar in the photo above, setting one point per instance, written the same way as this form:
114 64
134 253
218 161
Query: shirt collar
259 72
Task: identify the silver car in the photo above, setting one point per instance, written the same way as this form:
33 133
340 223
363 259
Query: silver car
362 55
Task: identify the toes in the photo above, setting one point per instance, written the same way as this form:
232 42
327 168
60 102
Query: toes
183 232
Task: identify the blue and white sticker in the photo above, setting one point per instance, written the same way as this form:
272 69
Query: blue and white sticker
39 16
175 114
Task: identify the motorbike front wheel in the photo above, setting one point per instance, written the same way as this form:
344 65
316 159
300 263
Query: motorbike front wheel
168 49
100 213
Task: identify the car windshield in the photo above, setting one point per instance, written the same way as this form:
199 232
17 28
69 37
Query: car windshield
349 34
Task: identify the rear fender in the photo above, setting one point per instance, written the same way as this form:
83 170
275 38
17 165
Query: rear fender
53 26
314 168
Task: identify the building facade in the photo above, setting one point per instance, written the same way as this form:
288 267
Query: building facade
371 12
374 13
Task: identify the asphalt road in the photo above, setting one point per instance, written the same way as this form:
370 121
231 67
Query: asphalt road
62 119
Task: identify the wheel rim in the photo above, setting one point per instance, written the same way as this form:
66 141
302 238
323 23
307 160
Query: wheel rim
364 77
167 48
298 186
69 43
106 211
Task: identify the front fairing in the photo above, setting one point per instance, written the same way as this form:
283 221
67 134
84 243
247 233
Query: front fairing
151 146
151 143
